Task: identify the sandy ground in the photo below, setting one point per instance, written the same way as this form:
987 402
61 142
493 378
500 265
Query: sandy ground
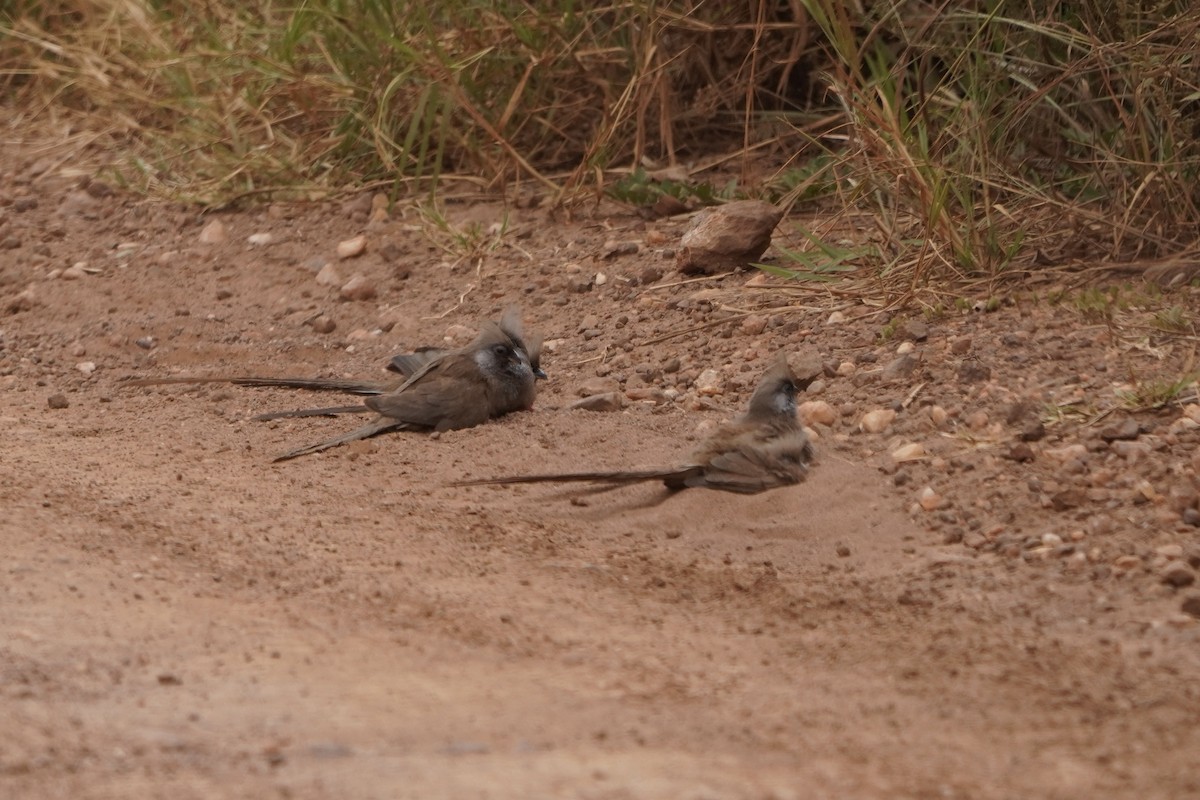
182 618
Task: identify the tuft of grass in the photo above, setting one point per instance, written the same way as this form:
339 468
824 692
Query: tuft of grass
983 137
1151 395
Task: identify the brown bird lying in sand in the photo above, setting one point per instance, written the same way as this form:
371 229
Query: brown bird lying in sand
437 390
762 449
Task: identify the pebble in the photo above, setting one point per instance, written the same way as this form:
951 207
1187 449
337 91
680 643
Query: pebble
329 276
1020 452
836 318
609 401
1170 551
213 233
846 369
1069 453
961 346
1191 605
929 500
145 342
324 324
86 367
259 239
905 347
977 420
352 248
912 451
900 367
1126 563
818 412
73 272
1177 574
709 383
938 415
595 386
1122 431
915 329
877 421
57 401
754 325
359 287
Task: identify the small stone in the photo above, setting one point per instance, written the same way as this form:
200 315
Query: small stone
21 301
877 421
818 412
613 248
259 239
352 248
324 324
649 275
913 451
145 342
836 318
594 386
1071 452
1068 499
977 420
213 233
359 287
1126 430
329 276
709 383
961 346
1191 605
938 415
609 401
73 272
929 499
842 550
600 279
1033 433
57 401
915 330
1171 552
1020 452
846 369
1177 574
900 367
754 324
1127 563
972 371
1191 517
86 367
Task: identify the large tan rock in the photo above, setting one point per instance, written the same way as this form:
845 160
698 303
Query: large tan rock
727 237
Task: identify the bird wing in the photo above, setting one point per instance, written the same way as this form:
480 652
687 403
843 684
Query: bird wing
444 397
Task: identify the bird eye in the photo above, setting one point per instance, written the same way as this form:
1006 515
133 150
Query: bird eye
502 350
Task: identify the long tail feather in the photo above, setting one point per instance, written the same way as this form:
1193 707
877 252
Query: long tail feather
315 384
615 478
365 432
331 411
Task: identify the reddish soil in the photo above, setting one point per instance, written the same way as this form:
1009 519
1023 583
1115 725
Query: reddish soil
183 618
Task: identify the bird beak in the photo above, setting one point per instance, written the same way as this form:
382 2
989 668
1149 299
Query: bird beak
539 373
